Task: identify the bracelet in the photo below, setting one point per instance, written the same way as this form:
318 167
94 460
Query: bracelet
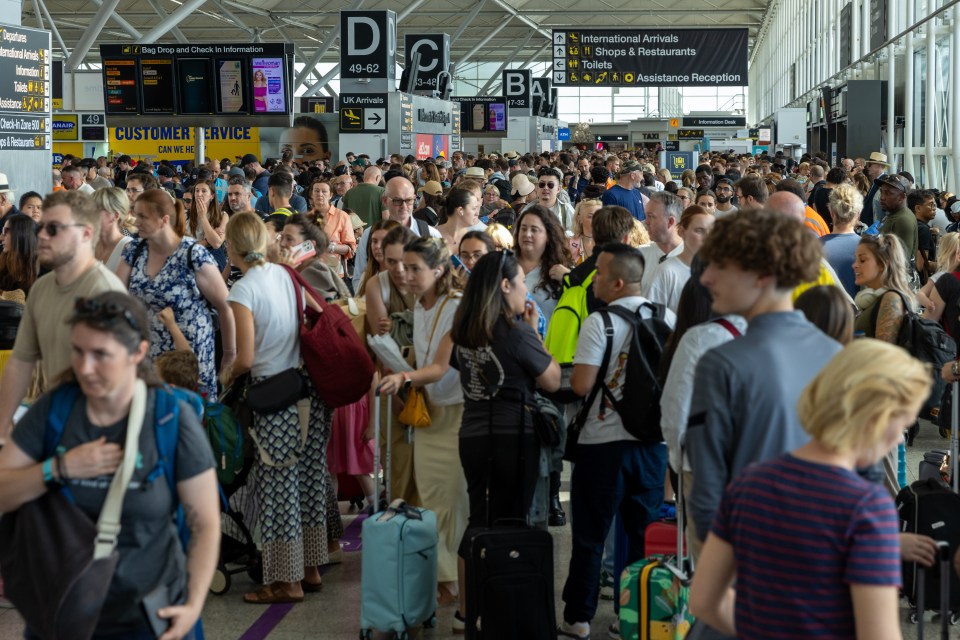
407 382
48 480
62 468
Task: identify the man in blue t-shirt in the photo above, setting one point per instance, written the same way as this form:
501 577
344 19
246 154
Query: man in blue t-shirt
624 193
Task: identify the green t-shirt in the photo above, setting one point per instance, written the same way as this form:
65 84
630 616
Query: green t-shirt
903 224
365 201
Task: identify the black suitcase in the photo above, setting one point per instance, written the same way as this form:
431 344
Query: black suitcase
509 577
947 618
931 464
10 315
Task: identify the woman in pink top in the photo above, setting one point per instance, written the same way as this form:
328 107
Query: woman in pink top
334 222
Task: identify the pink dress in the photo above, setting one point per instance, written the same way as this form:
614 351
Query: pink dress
346 452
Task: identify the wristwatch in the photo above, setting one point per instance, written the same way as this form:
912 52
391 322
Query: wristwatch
407 382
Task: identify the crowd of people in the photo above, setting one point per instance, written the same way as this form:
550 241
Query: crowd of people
490 274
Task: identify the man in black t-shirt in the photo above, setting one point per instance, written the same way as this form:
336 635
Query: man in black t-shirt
923 204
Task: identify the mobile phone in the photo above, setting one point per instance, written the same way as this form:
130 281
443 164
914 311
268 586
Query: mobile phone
303 251
458 263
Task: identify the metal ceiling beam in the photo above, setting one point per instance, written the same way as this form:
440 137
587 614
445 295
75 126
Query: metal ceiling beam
510 58
528 61
486 39
93 30
466 22
53 28
523 18
233 18
179 35
123 24
332 36
36 12
175 18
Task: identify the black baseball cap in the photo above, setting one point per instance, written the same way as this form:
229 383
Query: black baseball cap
248 159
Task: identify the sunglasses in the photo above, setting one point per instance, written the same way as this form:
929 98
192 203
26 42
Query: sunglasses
53 228
93 309
547 185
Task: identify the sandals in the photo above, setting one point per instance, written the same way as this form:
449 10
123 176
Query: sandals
271 594
311 587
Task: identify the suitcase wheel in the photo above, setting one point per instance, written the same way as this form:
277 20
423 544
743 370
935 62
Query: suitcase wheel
913 616
431 622
221 581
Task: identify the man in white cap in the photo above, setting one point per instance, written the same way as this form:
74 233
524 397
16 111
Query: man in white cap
875 168
7 205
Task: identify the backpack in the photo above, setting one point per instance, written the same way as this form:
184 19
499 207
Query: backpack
226 439
564 327
639 408
166 430
928 342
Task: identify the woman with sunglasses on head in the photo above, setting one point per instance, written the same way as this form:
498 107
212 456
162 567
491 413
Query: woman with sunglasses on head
109 361
502 361
549 186
19 263
167 269
440 480
543 254
114 216
581 242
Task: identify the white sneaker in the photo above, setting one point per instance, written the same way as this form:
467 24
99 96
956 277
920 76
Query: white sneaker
459 624
614 630
577 630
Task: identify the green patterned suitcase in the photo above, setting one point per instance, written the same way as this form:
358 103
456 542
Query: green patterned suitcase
654 600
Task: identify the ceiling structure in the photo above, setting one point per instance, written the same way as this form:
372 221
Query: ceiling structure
480 30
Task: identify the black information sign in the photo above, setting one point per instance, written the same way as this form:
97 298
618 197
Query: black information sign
406 113
198 80
368 44
434 49
517 89
846 35
25 119
158 85
714 121
649 57
482 114
690 134
363 112
317 104
671 145
120 86
878 23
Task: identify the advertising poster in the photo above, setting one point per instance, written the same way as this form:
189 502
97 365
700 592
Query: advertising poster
313 136
268 88
440 146
230 84
194 86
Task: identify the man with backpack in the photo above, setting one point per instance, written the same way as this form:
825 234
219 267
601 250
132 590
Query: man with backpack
620 458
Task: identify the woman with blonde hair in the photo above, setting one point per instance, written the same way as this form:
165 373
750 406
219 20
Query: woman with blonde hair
502 238
639 236
436 456
839 247
689 179
880 268
291 473
114 218
581 243
841 528
948 260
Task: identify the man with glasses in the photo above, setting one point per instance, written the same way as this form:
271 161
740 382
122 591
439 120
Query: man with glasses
724 191
751 192
625 192
685 195
341 184
68 232
549 184
365 199
399 199
137 183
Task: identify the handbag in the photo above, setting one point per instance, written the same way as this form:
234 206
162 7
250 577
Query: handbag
415 412
277 392
57 565
547 419
335 358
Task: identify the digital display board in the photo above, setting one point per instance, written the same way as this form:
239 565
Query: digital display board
193 82
205 81
25 85
269 93
157 85
231 87
649 57
120 86
482 114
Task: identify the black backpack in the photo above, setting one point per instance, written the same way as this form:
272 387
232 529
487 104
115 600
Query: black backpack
928 342
639 407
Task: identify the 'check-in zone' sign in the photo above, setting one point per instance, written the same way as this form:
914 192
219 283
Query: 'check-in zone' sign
363 112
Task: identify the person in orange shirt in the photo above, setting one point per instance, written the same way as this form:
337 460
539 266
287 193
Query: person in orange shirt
812 220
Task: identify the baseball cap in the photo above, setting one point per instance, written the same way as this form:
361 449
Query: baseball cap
630 167
895 181
248 159
432 187
236 171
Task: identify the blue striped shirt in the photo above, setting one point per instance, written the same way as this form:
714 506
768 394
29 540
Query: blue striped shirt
802 533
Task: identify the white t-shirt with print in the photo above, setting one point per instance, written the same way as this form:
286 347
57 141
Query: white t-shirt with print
447 390
590 348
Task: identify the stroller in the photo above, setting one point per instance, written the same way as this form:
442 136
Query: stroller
238 551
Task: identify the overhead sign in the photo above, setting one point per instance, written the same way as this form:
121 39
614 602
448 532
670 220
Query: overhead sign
198 80
680 161
482 114
563 133
650 57
177 143
363 112
317 104
93 127
690 134
25 102
434 50
715 121
368 44
516 85
541 96
65 126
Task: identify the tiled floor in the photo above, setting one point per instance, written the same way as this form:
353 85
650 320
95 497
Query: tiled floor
334 613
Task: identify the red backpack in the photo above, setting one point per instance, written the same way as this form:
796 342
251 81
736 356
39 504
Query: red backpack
336 360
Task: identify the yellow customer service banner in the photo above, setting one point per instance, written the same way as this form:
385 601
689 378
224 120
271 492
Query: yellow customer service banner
177 143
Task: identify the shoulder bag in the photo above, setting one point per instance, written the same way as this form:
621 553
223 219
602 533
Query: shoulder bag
415 412
57 565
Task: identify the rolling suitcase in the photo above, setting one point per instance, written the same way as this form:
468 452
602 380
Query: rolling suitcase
398 581
655 592
947 617
509 575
